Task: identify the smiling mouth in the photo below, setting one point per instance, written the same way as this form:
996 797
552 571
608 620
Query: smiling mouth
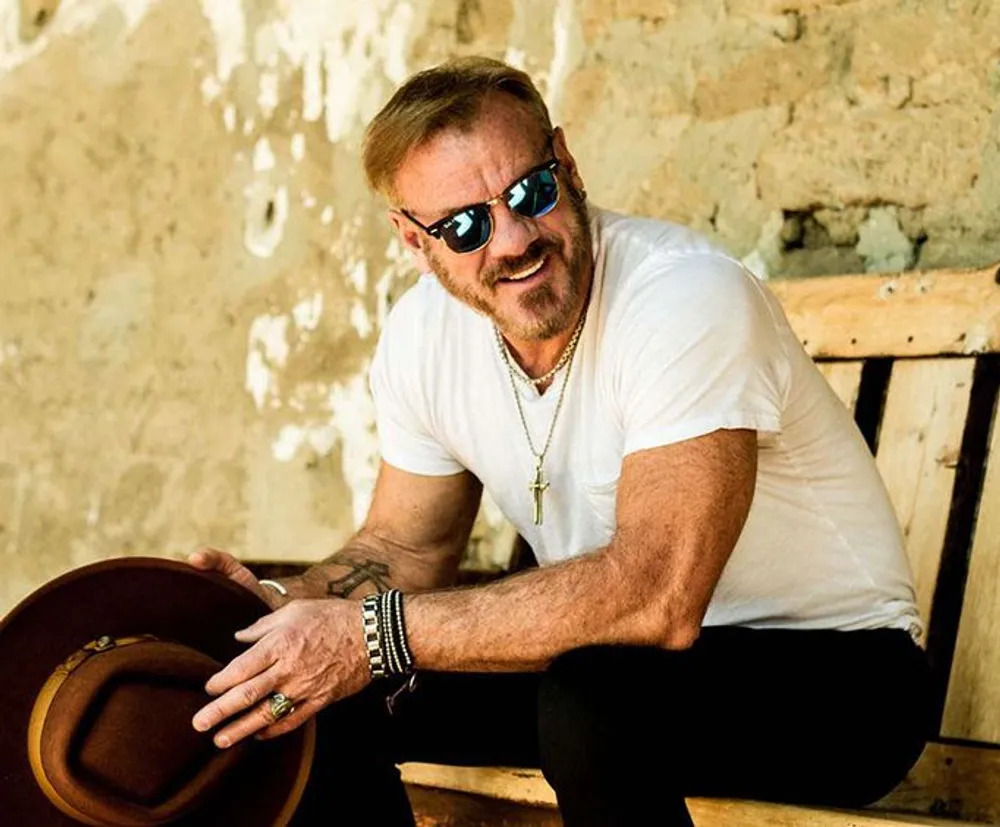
528 272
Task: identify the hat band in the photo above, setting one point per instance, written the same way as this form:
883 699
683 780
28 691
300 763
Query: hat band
41 709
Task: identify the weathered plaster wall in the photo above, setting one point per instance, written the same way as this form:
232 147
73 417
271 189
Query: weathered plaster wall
192 275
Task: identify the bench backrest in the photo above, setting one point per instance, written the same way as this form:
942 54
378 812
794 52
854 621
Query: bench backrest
915 356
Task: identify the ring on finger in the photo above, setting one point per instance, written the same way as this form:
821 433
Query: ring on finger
279 705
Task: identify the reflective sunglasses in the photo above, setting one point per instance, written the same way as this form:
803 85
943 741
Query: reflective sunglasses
471 228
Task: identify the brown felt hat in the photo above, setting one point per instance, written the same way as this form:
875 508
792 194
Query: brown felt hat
102 670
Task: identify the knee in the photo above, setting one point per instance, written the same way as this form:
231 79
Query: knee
593 711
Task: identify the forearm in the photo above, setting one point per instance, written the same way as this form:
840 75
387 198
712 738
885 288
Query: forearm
368 564
522 622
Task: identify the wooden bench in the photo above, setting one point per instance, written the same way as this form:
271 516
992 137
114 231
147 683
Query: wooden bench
917 358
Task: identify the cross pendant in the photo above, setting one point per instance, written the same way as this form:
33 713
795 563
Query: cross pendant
537 488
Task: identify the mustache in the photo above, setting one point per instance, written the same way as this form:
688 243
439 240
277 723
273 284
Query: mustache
537 250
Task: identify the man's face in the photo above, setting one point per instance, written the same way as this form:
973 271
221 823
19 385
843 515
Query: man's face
455 169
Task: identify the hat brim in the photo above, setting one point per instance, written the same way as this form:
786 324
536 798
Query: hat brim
130 596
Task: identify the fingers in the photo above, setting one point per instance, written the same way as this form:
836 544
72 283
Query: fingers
256 660
293 720
237 699
260 627
209 559
259 720
212 559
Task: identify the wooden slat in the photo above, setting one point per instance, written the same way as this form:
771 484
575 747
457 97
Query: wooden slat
912 314
529 787
919 445
951 780
845 379
508 783
434 807
972 710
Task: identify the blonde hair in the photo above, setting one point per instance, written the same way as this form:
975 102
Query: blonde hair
444 97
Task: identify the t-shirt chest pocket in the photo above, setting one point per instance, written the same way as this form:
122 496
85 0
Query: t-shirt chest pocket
599 499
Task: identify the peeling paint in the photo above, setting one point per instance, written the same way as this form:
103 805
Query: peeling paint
351 424
321 438
353 417
266 51
71 17
267 351
515 57
210 88
357 275
327 215
228 24
267 96
308 311
267 212
567 53
360 319
298 147
338 54
263 156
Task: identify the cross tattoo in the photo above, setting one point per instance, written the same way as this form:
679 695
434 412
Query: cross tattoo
362 572
537 489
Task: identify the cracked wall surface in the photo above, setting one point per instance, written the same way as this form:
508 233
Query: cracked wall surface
192 274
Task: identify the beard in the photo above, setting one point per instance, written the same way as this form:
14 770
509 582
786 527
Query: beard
546 310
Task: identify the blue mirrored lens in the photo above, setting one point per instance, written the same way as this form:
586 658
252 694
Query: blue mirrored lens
535 195
468 230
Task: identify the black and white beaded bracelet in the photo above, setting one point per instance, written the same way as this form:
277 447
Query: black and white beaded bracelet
384 629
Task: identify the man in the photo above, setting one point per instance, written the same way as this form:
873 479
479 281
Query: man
723 605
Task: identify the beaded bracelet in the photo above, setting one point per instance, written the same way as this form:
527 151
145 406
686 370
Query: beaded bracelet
385 635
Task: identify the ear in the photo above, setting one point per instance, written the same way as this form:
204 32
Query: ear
411 236
566 158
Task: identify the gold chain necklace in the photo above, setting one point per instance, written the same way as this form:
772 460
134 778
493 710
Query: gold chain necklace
567 354
539 483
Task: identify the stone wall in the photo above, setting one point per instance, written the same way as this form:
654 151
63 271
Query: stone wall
192 275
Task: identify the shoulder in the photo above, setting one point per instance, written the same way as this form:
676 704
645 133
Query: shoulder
630 240
659 272
418 319
424 300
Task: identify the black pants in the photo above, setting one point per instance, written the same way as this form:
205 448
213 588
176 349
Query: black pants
623 734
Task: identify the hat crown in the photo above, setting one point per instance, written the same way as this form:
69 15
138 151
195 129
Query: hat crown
171 604
114 743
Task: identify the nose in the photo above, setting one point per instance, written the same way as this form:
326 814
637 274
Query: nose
512 233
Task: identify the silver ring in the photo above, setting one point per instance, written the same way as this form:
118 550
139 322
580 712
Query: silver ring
279 705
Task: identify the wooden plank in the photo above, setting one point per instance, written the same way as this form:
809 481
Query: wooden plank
919 444
951 780
529 787
434 807
972 710
524 786
845 379
912 314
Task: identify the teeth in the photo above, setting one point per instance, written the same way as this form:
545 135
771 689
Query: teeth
529 272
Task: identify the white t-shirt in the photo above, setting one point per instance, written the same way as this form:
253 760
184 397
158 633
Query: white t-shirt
680 340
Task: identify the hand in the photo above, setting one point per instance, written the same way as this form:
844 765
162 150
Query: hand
312 651
211 559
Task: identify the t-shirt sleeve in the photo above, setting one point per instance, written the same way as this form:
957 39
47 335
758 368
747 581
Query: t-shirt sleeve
402 413
701 350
